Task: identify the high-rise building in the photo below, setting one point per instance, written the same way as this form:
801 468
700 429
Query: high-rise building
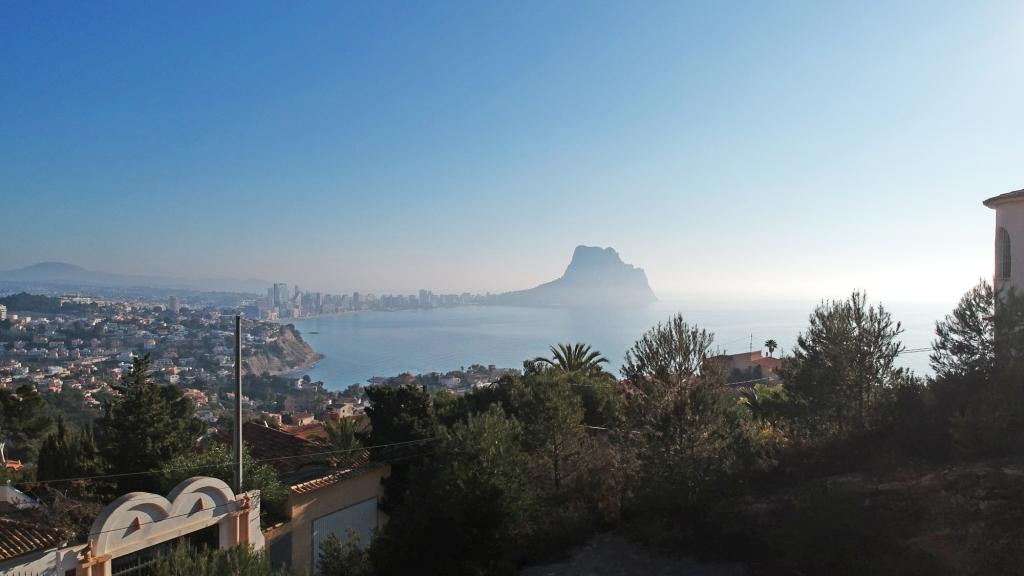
3 312
426 298
173 305
357 301
280 299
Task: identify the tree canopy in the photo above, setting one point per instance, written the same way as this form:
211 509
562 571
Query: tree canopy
146 426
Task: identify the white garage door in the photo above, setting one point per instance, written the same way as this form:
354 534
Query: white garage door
361 517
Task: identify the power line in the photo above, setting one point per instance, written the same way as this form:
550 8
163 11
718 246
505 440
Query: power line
228 463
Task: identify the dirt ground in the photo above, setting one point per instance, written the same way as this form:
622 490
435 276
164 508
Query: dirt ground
612 555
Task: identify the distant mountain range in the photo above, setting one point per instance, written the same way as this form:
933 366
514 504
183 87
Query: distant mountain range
595 277
71 275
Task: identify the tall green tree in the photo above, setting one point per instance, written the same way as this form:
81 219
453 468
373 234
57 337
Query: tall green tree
975 396
146 426
690 439
669 354
68 453
553 414
965 339
399 414
477 486
23 421
844 365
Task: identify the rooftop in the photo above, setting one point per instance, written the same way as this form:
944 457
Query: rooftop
361 466
997 200
283 451
19 538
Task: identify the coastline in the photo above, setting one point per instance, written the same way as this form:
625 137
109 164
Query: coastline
305 366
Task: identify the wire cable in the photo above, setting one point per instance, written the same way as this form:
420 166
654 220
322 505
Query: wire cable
230 463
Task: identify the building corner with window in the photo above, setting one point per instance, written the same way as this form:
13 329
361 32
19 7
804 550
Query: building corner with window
1008 273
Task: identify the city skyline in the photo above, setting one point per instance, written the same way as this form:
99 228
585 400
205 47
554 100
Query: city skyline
783 150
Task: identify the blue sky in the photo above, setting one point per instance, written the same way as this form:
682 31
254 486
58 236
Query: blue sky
731 149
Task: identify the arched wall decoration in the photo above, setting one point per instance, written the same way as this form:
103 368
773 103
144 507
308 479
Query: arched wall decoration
138 520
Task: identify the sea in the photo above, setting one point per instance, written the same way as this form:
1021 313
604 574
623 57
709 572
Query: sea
361 345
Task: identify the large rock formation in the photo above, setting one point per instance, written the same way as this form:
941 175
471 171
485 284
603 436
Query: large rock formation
595 277
286 354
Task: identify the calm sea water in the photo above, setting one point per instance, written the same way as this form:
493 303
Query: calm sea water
359 346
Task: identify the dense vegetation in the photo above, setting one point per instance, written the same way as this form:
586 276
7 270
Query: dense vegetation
25 302
670 454
521 471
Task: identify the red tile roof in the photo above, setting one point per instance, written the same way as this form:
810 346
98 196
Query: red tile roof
281 450
358 468
768 362
19 538
313 432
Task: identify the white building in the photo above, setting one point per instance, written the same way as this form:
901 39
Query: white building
1009 240
3 312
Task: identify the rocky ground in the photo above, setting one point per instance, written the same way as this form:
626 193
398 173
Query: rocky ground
964 520
613 555
960 519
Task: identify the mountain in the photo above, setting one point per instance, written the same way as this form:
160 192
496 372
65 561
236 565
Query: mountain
595 277
64 273
71 275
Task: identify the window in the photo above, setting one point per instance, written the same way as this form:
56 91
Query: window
361 517
1003 259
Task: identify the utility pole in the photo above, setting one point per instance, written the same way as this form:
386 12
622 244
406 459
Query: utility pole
238 404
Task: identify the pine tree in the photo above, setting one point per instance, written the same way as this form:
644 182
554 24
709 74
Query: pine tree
146 426
23 421
67 453
844 365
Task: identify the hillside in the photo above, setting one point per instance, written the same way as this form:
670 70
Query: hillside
63 274
286 354
957 519
596 277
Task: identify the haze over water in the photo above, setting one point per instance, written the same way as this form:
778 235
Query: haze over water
362 345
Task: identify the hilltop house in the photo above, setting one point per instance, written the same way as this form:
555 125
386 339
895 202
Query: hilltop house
748 366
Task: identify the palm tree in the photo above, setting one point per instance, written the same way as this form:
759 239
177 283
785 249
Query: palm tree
752 399
771 345
571 358
343 442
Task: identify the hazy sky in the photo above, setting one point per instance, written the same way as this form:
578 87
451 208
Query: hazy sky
749 149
